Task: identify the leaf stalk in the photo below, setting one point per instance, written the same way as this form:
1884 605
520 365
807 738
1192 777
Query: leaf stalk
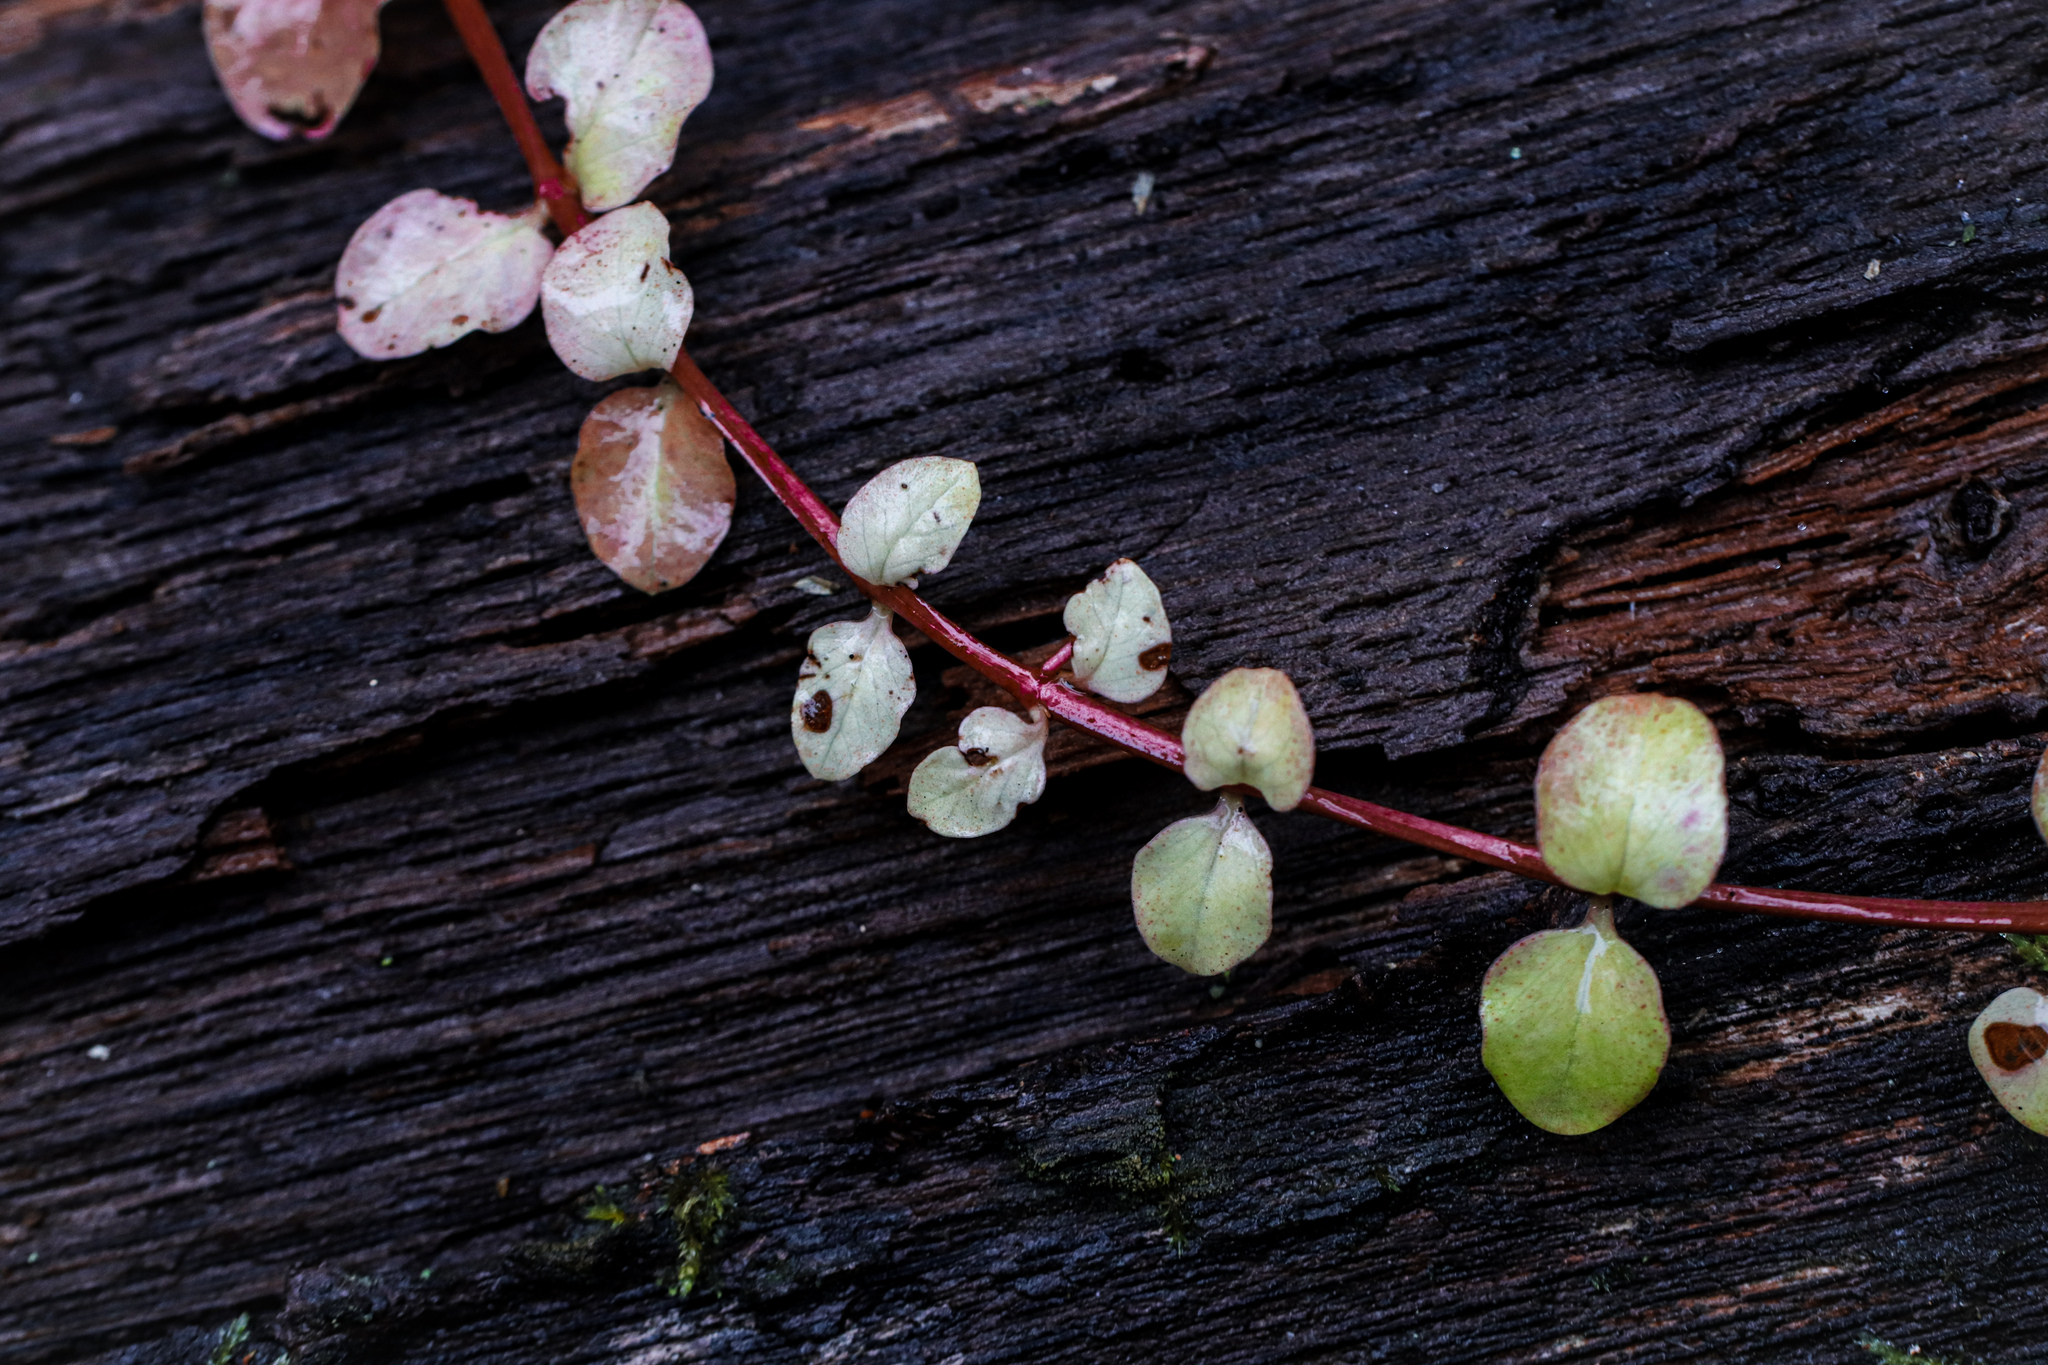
1041 687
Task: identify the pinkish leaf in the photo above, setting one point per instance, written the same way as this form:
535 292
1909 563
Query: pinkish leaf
612 301
292 66
631 71
653 488
426 269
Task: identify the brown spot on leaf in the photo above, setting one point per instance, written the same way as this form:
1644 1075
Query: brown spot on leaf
2014 1047
817 713
1155 658
977 758
371 316
459 319
645 266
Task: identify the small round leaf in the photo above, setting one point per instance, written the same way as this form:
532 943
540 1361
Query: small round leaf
1121 639
292 66
2009 1043
612 302
2039 806
1575 1033
1202 890
653 488
631 72
427 268
974 788
909 519
1249 728
851 694
1630 799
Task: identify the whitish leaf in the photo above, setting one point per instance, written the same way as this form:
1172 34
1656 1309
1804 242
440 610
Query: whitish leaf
1575 1033
851 694
292 66
612 302
909 519
1630 799
975 787
2008 1043
631 71
653 489
427 268
1203 890
1121 639
1248 728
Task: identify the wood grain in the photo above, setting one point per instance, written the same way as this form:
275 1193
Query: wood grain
1468 360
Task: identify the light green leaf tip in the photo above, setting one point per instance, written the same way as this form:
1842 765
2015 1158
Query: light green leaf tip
1122 642
1631 800
1575 1033
2039 805
973 788
909 519
2009 1043
1249 728
1202 890
851 694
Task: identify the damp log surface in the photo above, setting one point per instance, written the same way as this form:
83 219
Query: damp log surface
379 875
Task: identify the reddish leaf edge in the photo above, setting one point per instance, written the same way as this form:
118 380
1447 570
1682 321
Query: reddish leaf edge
1043 687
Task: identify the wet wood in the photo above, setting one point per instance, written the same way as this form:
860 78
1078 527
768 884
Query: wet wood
402 921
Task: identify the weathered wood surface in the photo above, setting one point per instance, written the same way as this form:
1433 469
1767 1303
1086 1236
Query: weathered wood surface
418 877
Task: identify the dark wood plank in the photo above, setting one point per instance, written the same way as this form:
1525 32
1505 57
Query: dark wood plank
1470 360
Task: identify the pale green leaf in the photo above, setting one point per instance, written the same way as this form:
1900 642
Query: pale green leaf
653 489
2039 805
851 694
631 72
1575 1033
1630 799
2008 1043
908 519
1248 728
612 302
974 787
427 268
1202 890
1121 639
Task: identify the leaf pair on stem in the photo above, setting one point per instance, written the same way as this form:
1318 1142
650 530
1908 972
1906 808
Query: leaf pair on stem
1630 795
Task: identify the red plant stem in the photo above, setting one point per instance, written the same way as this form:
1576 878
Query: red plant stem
1040 685
550 181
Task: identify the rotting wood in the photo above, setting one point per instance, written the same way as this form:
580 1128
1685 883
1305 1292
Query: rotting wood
1360 388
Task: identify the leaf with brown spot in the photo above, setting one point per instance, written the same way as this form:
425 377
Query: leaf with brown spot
604 316
851 693
653 488
974 788
292 66
427 269
1121 638
2008 1042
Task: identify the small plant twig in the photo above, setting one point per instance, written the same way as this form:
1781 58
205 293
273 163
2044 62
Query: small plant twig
551 182
1040 686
